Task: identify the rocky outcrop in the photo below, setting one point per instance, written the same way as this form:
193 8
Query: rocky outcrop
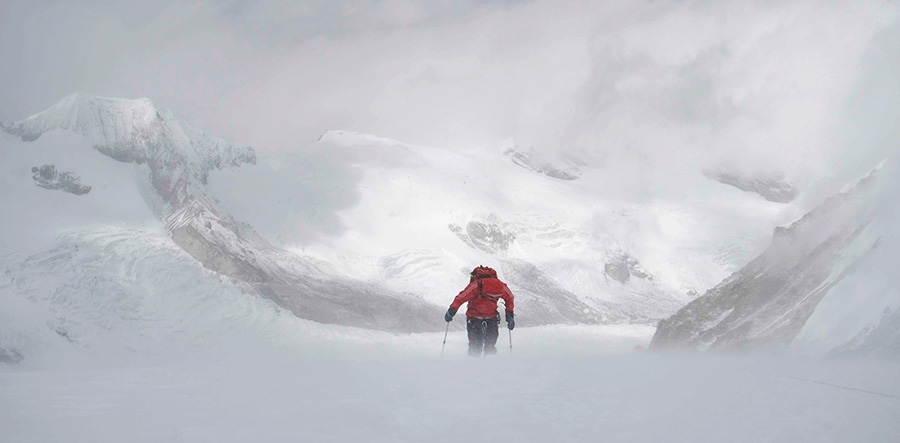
767 302
565 169
770 187
10 356
623 266
486 236
48 177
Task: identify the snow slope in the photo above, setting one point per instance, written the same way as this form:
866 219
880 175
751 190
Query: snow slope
631 398
826 282
174 160
415 219
369 232
33 217
112 295
365 231
859 315
187 295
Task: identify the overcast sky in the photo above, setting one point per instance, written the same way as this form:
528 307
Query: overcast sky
797 87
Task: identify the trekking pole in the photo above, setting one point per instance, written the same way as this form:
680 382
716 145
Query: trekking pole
510 341
445 339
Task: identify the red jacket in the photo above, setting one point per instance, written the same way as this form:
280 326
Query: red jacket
483 303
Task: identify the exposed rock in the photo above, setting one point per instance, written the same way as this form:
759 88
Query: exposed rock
638 271
292 282
623 267
10 356
529 159
215 258
488 237
48 177
771 188
618 272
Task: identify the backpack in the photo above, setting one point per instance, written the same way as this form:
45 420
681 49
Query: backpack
493 287
482 272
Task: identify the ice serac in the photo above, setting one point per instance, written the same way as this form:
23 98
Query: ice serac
179 159
768 301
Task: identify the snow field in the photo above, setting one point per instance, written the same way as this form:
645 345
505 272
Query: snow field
127 294
624 398
125 337
379 210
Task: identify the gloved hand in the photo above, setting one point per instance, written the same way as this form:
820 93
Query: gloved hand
448 317
510 320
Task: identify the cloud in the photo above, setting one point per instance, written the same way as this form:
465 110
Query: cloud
761 86
650 88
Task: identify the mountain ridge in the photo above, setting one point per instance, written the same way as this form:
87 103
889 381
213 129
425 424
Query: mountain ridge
768 302
179 159
361 202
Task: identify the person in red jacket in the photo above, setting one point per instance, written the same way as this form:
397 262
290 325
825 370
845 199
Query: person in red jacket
482 318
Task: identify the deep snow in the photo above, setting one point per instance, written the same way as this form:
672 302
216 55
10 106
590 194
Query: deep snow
623 398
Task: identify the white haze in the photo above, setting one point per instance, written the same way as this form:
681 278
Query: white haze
647 88
651 91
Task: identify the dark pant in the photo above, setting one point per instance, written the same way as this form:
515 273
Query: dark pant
483 333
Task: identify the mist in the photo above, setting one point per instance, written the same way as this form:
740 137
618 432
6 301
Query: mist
796 89
115 327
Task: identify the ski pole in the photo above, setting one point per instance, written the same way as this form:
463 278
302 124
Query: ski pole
445 339
510 341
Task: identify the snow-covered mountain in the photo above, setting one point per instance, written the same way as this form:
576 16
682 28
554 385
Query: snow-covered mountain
416 219
354 229
172 162
826 283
